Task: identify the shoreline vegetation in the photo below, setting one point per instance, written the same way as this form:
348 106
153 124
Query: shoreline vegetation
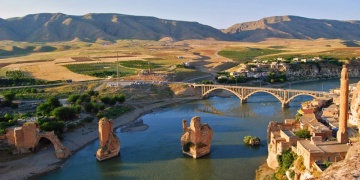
44 161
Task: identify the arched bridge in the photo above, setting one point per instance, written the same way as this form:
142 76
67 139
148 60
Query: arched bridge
244 92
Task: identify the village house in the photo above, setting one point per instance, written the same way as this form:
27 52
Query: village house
316 151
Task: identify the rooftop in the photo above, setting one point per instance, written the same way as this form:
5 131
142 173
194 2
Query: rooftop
310 147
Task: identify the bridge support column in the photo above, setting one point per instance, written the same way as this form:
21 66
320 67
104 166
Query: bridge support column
243 101
285 105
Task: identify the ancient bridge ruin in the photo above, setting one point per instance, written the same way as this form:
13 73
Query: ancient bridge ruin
244 92
26 139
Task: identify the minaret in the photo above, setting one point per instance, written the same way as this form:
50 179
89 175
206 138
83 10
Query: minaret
342 135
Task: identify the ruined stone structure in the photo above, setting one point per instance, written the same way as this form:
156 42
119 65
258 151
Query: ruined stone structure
196 139
109 142
27 137
342 135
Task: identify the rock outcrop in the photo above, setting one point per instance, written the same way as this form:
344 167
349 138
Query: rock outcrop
346 169
196 139
109 142
27 137
355 104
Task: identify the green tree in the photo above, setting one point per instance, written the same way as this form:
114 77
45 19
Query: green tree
53 102
247 139
56 126
43 109
105 99
113 101
93 93
85 98
10 96
303 133
64 113
73 97
120 98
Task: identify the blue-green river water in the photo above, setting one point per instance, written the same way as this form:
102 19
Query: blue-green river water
156 152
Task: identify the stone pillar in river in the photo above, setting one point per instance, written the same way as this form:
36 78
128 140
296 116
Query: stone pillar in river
109 142
196 139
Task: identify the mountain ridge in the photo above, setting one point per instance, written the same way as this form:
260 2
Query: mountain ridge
294 27
52 27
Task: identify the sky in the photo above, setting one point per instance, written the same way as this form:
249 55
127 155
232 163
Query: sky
220 14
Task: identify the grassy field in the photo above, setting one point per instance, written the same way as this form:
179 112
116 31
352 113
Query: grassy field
247 53
46 60
100 70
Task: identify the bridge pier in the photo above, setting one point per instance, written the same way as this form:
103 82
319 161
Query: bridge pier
285 105
243 101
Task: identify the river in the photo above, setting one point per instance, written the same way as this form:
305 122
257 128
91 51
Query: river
156 152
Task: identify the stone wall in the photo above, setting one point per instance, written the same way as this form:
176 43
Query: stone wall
27 137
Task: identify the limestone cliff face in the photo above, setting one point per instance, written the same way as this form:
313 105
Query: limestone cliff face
355 103
109 142
196 139
346 169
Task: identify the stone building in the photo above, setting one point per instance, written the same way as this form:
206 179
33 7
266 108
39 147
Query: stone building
196 139
318 149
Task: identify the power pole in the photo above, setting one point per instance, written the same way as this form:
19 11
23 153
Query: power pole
117 66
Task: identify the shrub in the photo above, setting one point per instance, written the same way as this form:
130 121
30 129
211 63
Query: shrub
105 99
247 139
64 113
56 126
73 98
303 133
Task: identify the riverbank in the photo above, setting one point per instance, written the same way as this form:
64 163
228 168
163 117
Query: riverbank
45 160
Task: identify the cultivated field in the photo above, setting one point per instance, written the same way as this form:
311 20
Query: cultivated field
47 60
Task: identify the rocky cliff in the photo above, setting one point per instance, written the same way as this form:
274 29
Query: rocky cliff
346 169
355 103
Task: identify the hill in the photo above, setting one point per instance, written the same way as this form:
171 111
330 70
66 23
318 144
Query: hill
47 27
52 27
294 27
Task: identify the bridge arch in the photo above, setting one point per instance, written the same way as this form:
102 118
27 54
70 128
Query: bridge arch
222 88
60 150
275 95
301 94
243 93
